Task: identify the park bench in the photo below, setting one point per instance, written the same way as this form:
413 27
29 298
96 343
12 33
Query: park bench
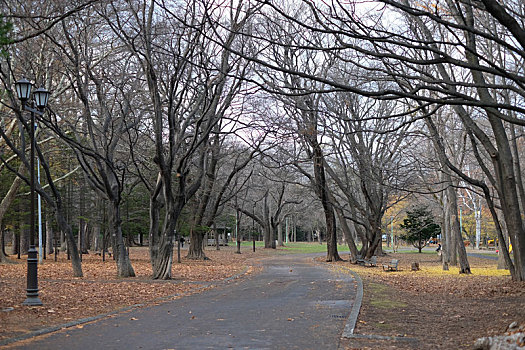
371 262
391 266
359 260
364 262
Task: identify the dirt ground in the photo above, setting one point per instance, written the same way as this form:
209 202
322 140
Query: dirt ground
431 309
67 298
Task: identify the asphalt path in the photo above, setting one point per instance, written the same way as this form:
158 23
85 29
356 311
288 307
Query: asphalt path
483 256
293 303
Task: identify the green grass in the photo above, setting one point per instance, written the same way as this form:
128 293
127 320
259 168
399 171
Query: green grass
298 247
306 247
258 244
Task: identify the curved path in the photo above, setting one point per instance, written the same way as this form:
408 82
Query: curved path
293 303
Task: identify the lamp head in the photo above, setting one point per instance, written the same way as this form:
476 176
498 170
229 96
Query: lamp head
23 89
41 96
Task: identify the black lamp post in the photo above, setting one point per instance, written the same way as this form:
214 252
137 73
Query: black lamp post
40 97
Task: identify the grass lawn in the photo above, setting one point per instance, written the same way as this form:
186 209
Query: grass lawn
258 244
310 247
297 247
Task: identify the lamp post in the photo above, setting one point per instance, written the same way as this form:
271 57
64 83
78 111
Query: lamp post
40 98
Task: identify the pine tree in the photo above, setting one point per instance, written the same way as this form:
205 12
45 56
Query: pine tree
419 226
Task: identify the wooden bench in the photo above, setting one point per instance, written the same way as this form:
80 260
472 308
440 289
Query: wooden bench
371 262
391 266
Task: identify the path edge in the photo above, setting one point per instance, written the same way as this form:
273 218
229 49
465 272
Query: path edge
351 321
356 306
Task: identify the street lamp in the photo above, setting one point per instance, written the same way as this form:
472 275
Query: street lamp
40 98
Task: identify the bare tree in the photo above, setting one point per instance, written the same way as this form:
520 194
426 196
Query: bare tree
187 87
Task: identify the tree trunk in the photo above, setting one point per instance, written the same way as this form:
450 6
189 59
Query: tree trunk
49 235
72 247
96 241
87 238
195 250
124 268
162 240
216 235
294 230
163 259
464 266
324 196
162 244
331 238
374 245
348 235
82 223
6 203
3 255
502 265
273 234
458 251
15 245
452 236
267 236
502 232
477 213
456 236
374 237
502 160
266 223
445 235
24 239
280 235
238 231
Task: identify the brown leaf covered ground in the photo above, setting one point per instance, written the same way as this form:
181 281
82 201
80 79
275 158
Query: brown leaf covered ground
67 298
432 308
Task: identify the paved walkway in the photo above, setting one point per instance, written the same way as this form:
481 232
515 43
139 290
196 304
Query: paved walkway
483 256
293 303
